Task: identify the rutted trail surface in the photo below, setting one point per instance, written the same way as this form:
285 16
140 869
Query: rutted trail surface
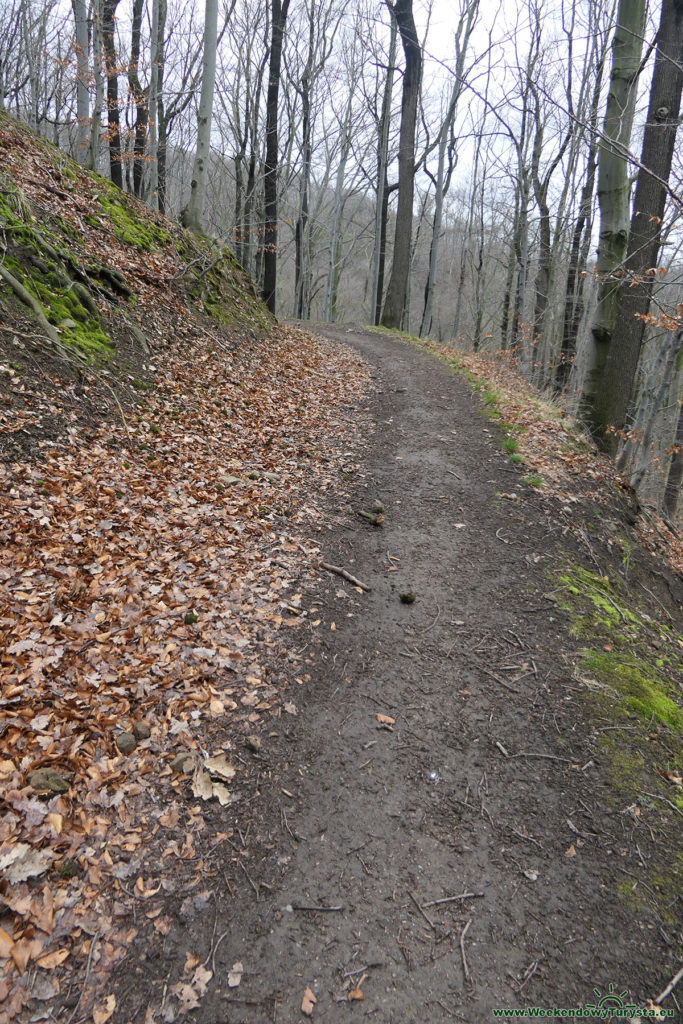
486 784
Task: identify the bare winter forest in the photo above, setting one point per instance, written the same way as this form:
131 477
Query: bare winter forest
499 177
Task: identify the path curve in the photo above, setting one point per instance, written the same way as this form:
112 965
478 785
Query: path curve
384 823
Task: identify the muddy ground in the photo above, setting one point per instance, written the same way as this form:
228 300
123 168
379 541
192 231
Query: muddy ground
488 778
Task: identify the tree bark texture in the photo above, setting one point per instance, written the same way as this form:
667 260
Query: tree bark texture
614 186
193 215
113 112
279 10
612 403
382 201
82 90
392 313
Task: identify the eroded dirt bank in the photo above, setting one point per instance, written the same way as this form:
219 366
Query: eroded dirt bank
487 786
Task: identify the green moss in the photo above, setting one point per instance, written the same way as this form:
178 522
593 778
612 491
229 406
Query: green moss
533 480
128 224
643 688
607 605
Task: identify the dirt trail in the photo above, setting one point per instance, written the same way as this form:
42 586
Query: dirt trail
485 782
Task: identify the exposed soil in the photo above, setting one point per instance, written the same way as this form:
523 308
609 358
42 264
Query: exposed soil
488 783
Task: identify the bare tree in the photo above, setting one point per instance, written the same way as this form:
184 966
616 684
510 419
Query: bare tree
614 186
611 404
395 301
279 9
469 10
193 214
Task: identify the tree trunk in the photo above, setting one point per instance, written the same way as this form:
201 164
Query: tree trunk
193 215
382 200
279 10
98 63
302 271
636 455
337 211
398 283
113 112
82 90
139 95
611 404
614 187
573 304
156 47
466 22
673 481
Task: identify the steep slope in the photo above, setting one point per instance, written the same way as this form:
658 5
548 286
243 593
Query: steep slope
89 276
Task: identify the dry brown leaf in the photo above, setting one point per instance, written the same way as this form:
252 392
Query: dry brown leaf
25 950
51 960
203 787
220 766
677 780
186 996
163 925
6 944
235 975
191 961
571 852
308 1002
385 719
201 979
356 993
102 1013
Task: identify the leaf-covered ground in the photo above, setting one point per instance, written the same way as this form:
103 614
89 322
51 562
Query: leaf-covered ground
144 568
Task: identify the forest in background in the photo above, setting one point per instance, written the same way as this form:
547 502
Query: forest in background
498 178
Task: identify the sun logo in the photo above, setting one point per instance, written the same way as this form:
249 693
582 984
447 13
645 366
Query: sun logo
611 1000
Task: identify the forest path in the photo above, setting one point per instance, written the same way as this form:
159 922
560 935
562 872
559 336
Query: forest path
373 825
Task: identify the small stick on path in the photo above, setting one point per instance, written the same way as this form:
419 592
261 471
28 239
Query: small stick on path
669 988
429 922
297 906
465 968
346 575
454 899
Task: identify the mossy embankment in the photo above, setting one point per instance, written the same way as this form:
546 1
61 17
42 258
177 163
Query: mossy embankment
93 272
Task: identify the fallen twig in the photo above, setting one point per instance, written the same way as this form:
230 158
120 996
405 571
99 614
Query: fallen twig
361 970
545 757
465 968
88 965
249 879
454 899
429 922
326 910
656 796
669 988
346 575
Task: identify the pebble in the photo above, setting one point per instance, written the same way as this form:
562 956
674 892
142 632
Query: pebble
47 780
141 731
182 762
126 742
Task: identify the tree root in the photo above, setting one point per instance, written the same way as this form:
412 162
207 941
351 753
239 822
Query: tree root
32 303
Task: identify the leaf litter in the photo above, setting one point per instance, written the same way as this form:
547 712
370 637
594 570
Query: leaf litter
145 572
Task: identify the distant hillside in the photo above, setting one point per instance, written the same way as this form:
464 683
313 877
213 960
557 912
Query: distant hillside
91 276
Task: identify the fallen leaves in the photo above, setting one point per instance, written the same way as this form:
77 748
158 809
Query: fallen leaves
308 1002
137 599
235 975
104 1011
